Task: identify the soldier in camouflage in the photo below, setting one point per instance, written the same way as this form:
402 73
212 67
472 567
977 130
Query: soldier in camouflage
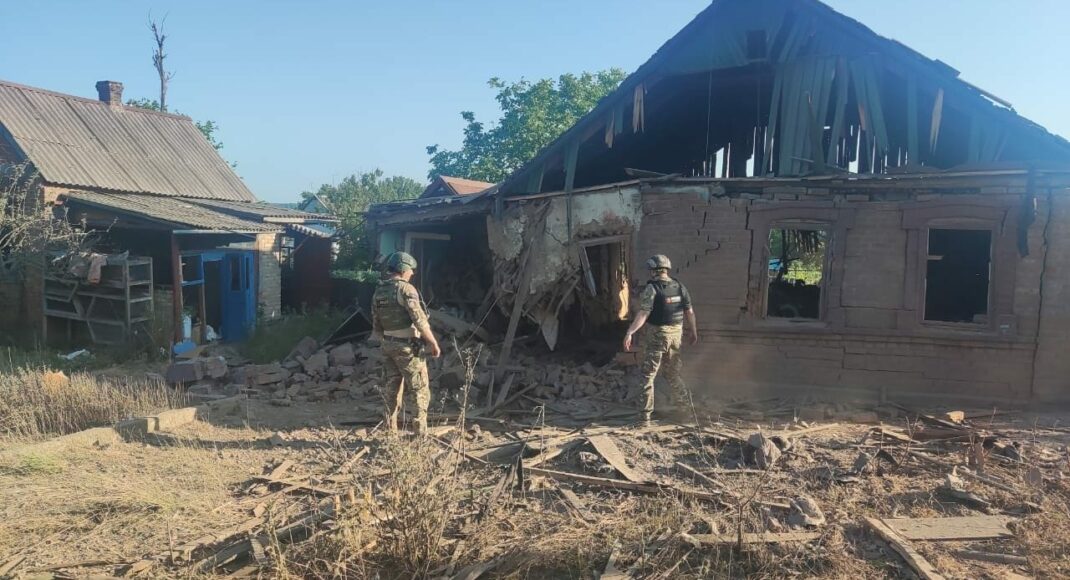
664 303
400 323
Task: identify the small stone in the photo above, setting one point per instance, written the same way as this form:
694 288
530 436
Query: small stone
766 453
862 462
343 355
304 348
316 363
806 512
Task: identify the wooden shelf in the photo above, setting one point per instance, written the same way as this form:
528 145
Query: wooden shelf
106 309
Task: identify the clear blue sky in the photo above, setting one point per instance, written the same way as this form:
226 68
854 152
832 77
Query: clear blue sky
309 92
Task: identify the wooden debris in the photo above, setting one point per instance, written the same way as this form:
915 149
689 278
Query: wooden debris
607 448
1008 559
964 473
280 469
610 572
902 546
626 485
750 538
805 431
576 504
474 571
951 528
291 485
503 394
702 477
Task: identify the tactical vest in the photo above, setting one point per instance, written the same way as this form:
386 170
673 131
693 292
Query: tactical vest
389 307
668 302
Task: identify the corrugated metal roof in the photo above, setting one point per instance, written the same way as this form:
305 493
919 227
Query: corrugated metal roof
262 210
315 230
89 144
183 213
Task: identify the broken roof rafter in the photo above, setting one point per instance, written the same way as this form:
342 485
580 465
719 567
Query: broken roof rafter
795 28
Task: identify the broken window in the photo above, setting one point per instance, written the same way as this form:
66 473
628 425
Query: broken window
957 275
796 272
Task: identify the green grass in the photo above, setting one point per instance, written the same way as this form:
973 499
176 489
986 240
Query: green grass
13 358
273 340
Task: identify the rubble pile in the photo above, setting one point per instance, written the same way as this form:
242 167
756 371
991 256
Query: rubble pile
353 371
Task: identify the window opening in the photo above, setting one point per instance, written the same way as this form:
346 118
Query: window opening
796 272
957 275
235 272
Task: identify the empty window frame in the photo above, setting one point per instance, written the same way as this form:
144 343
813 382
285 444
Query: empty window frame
958 273
796 271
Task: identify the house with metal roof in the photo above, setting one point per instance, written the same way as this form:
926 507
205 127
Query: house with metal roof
848 214
155 190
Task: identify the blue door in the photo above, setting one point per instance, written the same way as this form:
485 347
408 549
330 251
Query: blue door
239 295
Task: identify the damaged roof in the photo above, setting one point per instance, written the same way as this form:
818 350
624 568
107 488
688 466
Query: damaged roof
87 143
862 88
176 213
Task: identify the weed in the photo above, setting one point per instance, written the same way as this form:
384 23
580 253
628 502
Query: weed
273 340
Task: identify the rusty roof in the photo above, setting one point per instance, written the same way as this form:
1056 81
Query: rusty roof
86 143
446 185
173 211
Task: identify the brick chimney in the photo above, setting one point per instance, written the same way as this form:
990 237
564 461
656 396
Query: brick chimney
110 92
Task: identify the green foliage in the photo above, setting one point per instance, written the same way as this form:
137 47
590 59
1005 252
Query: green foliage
350 198
365 276
273 340
207 128
800 254
533 115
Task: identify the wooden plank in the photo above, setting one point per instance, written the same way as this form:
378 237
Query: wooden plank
701 476
280 469
902 546
576 504
806 431
625 485
963 472
609 451
503 394
951 528
750 538
1009 559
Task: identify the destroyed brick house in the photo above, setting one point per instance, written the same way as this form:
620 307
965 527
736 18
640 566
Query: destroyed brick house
848 215
182 237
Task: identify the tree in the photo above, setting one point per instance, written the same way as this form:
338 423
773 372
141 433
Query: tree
158 57
349 200
533 115
28 227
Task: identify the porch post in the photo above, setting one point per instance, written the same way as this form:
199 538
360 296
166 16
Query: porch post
176 287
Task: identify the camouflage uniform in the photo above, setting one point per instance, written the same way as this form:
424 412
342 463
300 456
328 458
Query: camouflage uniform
399 318
661 350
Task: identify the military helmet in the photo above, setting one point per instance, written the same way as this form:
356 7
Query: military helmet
400 261
659 261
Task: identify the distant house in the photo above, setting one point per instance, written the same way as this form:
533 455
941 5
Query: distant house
154 188
445 185
316 204
917 223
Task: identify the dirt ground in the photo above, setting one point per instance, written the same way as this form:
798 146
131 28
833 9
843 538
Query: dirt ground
165 504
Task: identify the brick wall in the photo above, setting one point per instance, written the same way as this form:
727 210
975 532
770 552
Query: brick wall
879 345
1052 360
269 283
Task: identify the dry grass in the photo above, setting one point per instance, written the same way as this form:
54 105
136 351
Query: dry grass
39 403
116 503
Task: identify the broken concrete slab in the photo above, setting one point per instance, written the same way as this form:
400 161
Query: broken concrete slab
316 363
186 371
304 348
342 355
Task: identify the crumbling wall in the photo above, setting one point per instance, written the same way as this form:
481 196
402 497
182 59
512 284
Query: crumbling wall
555 257
876 345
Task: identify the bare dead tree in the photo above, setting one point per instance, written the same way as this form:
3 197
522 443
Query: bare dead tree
158 56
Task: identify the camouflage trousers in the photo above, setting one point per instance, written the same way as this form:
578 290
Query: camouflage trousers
405 377
662 352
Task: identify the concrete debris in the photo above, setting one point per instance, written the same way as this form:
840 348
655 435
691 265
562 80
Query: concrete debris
764 451
316 363
304 348
806 512
185 372
862 463
342 355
